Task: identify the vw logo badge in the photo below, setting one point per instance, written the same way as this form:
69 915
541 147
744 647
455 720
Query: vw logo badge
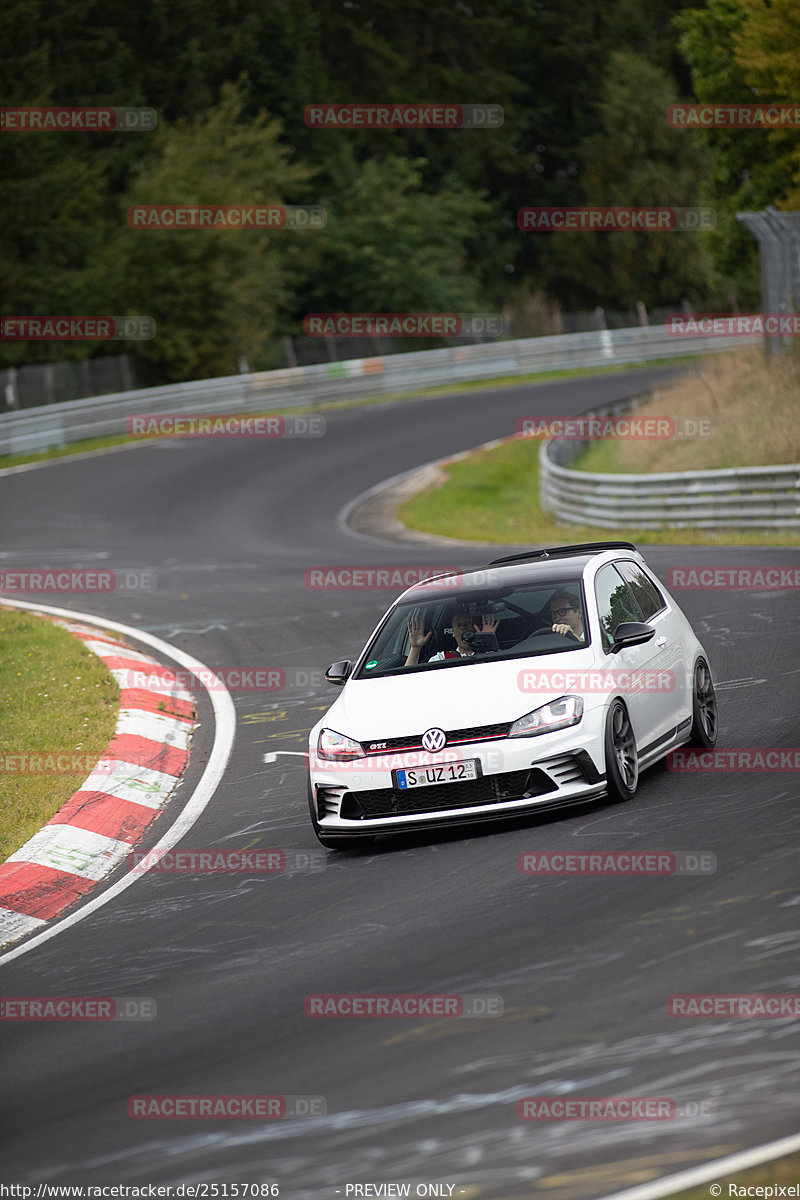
434 739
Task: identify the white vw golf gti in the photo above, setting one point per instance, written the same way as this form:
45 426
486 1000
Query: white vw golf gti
545 679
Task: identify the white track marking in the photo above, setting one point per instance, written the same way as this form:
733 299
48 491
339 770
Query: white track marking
140 722
139 785
70 848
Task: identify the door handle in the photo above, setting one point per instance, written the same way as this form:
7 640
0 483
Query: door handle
662 641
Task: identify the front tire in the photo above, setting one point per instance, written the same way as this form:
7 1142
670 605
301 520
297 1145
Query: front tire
622 758
705 724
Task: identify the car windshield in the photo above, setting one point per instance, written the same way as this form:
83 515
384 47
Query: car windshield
474 627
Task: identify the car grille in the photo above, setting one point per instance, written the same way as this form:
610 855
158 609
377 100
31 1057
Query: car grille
474 733
488 789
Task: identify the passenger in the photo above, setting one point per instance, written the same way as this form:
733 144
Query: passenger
462 623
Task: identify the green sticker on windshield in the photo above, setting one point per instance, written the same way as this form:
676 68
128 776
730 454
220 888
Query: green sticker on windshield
374 663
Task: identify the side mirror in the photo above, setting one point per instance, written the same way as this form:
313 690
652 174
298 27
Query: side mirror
339 672
631 633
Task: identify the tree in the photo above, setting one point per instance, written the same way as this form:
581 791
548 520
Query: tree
750 169
634 159
388 246
767 50
53 186
214 293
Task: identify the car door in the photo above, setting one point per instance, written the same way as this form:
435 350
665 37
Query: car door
651 704
670 633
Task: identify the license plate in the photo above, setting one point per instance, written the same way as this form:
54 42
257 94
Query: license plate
457 772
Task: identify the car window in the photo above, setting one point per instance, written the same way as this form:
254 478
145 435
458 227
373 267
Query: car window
644 589
615 602
501 623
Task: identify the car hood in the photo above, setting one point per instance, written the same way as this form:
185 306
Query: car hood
454 698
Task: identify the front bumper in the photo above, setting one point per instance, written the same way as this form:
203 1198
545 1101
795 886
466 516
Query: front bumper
515 776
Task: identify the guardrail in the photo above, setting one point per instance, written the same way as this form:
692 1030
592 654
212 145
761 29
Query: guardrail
758 497
103 416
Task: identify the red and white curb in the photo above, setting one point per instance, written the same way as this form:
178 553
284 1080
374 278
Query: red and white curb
132 781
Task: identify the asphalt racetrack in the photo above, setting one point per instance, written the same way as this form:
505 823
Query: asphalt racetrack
584 965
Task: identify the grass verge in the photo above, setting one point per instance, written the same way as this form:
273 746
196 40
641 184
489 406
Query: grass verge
493 496
57 698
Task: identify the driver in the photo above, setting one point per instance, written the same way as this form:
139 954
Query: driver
462 623
566 615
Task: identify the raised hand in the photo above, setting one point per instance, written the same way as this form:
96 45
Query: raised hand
416 632
490 624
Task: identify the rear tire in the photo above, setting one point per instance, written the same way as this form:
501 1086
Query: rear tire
705 724
622 759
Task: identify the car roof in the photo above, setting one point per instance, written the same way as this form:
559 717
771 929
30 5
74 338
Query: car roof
561 564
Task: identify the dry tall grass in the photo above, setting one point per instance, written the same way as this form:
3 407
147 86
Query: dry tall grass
754 410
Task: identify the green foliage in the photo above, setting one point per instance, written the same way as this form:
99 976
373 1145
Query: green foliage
389 246
634 158
725 45
767 49
418 219
212 292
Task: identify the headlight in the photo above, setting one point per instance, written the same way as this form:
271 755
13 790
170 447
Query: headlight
558 714
337 748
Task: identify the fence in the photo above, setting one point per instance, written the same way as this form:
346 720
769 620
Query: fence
55 383
104 416
52 383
